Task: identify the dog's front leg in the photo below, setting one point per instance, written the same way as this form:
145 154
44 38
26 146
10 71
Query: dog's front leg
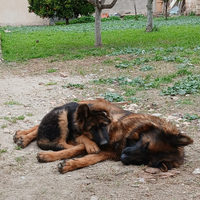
85 161
50 156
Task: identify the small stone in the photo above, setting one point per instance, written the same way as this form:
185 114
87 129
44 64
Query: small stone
93 198
152 170
6 130
157 114
63 75
40 83
196 171
111 89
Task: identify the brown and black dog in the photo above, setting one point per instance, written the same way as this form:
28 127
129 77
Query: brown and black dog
69 124
120 135
133 139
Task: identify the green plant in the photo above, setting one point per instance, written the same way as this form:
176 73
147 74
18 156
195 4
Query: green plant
18 148
188 85
12 103
62 9
51 83
190 117
70 85
29 114
3 126
146 68
3 151
113 97
51 70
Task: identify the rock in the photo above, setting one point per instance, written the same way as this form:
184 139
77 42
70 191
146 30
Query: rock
40 83
174 98
157 114
63 75
196 171
6 130
152 170
93 198
110 89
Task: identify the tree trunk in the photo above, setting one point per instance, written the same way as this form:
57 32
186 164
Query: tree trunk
135 11
98 40
67 21
99 6
166 3
149 26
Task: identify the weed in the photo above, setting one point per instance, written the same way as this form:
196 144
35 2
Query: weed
51 83
70 85
187 102
14 119
3 151
188 85
18 159
51 70
113 97
29 114
146 68
18 148
108 62
190 117
4 126
12 103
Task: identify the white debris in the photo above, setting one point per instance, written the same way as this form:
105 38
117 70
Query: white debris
196 171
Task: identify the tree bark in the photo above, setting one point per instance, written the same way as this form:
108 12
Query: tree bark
67 21
99 6
98 40
166 4
135 11
149 26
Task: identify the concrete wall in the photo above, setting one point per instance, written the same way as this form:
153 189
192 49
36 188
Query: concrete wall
126 6
15 13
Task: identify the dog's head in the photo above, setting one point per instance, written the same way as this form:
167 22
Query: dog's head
156 147
93 123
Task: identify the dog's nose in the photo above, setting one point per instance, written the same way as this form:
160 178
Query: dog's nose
103 142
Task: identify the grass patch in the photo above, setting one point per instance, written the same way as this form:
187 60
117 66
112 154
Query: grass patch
188 85
113 97
80 86
51 70
14 119
51 83
77 41
12 103
3 126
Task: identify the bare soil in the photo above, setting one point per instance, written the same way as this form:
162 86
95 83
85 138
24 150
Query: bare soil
35 92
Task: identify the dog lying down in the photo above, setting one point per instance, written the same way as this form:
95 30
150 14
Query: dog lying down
105 131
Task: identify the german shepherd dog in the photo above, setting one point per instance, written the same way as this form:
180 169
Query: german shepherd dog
133 139
71 122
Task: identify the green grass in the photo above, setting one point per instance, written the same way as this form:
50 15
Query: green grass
13 119
77 41
51 83
12 103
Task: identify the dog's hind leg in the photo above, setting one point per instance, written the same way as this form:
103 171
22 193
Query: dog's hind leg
85 161
26 139
19 133
50 156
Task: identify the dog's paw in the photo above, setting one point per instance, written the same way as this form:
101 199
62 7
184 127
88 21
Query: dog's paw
66 166
92 148
45 156
16 136
22 141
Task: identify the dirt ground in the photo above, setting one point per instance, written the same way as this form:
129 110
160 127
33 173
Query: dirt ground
33 92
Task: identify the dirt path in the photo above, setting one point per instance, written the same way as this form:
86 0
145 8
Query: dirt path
22 177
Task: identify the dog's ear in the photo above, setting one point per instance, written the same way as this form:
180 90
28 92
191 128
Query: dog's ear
83 112
182 140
